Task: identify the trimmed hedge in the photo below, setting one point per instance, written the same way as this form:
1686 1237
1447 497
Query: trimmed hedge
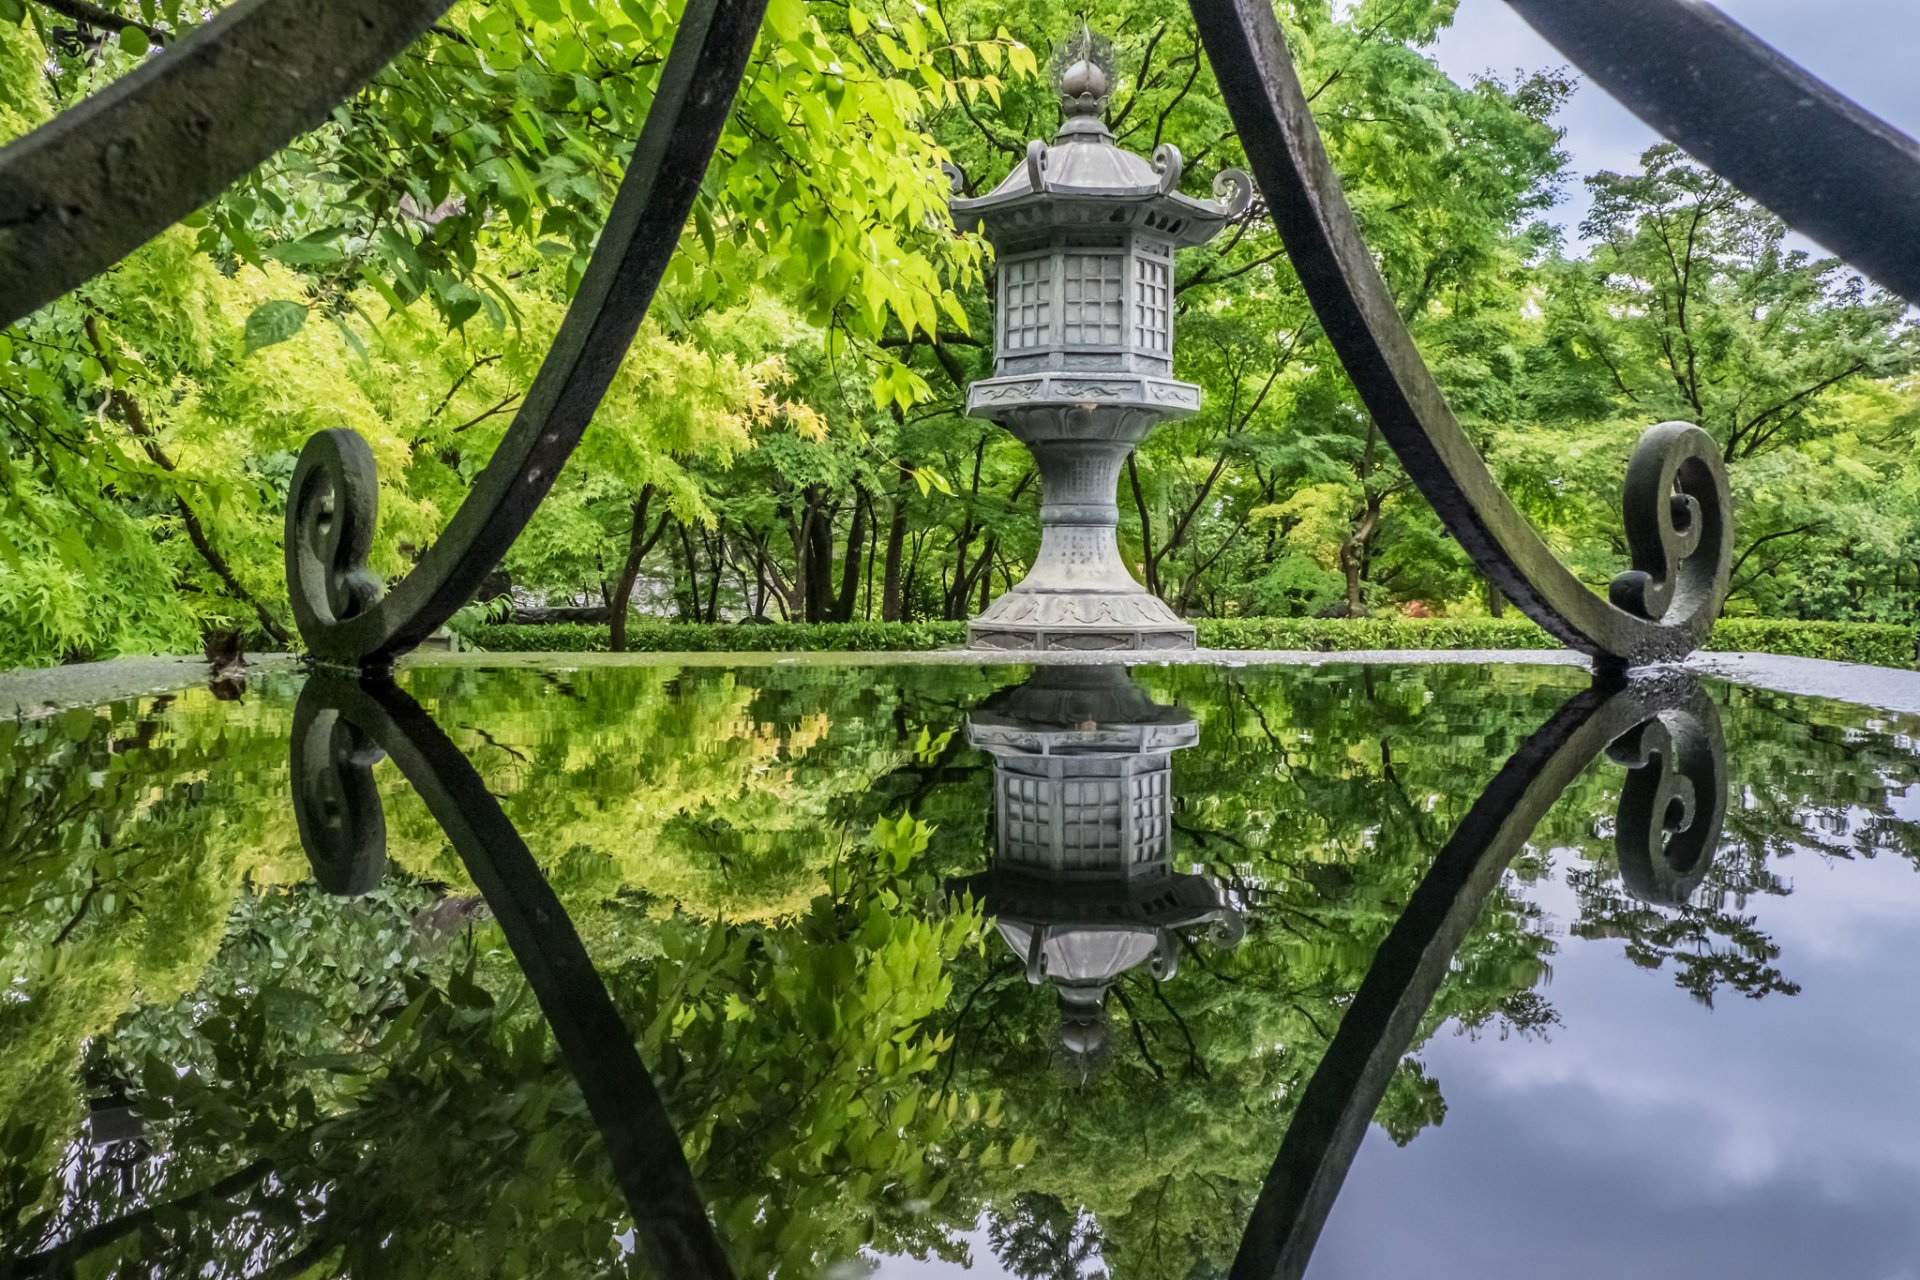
1880 644
1329 635
707 637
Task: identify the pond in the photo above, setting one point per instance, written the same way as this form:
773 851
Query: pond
940 970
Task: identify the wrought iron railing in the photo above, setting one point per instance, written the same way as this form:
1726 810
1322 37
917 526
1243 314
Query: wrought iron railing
84 190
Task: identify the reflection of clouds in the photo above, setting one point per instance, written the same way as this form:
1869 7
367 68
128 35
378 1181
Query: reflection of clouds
1653 1137
1868 912
1845 42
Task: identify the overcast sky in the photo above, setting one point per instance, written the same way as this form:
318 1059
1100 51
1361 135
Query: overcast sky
1863 47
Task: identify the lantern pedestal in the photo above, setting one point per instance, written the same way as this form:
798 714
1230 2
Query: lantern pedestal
1079 593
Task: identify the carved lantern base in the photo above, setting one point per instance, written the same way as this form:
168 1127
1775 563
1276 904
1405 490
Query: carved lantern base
1079 594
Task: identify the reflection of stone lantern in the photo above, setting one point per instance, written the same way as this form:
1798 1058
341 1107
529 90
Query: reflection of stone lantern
1085 235
1082 884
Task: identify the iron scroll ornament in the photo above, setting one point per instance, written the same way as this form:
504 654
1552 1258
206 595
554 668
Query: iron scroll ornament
338 605
342 727
1672 806
1678 511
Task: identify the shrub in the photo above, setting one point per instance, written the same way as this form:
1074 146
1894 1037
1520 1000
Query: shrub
703 637
1331 634
1880 644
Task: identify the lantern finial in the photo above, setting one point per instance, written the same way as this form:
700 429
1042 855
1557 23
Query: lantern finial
1084 74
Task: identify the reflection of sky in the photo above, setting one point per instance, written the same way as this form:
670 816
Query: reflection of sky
1862 47
1653 1137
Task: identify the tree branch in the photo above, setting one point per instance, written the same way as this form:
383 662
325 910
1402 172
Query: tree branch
101 19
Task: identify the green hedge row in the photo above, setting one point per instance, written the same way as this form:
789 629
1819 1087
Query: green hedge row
1332 634
705 637
1877 643
1880 643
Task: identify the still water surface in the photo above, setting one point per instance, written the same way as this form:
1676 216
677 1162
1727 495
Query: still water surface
937 971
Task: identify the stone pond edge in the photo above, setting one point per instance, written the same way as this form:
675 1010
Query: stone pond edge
33 692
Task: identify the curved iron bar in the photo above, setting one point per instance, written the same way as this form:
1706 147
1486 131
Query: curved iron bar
332 499
1668 733
98 181
1677 508
341 727
1824 165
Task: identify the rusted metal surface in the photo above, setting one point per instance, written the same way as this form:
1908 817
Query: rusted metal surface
1677 508
98 181
332 499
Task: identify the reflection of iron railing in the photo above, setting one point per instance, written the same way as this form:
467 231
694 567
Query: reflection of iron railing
342 727
90 186
1667 733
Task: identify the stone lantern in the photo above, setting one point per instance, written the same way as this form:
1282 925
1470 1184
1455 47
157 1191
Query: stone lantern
1082 885
1084 235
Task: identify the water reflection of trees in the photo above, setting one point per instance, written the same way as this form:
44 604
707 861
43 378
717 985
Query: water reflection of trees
809 1025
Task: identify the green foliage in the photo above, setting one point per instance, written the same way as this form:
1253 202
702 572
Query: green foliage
784 637
1374 633
273 322
1876 644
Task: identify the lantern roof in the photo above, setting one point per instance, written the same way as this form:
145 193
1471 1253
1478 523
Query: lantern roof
1085 164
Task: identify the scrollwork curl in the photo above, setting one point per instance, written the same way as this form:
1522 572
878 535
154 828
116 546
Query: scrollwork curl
1234 190
1037 164
1677 510
332 505
1164 963
336 804
1673 803
1168 164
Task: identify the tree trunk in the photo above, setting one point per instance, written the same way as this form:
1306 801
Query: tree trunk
686 597
1353 554
802 587
1149 562
639 542
913 577
716 548
873 554
850 566
819 552
896 544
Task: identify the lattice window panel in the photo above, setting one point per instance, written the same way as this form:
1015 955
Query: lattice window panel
1026 303
1092 821
1095 299
1150 817
1152 305
1029 818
